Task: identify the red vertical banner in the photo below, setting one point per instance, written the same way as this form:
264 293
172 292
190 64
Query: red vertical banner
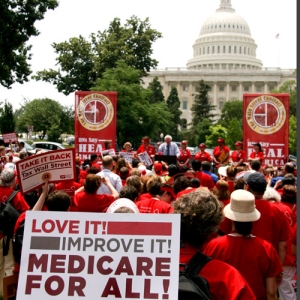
95 121
266 121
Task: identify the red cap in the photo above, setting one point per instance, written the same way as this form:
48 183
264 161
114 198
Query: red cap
238 144
168 188
184 142
158 168
220 140
202 145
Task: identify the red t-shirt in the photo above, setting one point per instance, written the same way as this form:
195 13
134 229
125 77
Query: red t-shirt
257 155
184 192
154 206
144 196
150 149
184 155
225 281
272 225
92 202
205 180
255 258
203 156
18 202
237 155
68 186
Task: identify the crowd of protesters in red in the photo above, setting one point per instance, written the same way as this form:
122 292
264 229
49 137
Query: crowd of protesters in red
244 216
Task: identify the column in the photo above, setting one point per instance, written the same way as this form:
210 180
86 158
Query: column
215 94
252 87
227 91
240 90
166 90
266 87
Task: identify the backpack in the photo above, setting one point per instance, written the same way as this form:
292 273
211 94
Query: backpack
191 285
8 218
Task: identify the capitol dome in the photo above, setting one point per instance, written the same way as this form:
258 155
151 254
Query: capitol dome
225 42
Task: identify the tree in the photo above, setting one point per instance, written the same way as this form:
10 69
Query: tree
215 132
135 116
82 62
173 104
47 116
156 94
230 110
293 136
7 120
201 107
234 132
290 87
17 19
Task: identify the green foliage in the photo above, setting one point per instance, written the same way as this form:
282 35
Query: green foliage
197 134
7 119
291 88
173 104
201 108
216 131
82 62
293 136
135 116
230 110
77 61
45 115
234 132
17 19
155 91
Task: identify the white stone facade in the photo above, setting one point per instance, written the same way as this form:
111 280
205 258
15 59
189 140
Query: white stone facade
225 58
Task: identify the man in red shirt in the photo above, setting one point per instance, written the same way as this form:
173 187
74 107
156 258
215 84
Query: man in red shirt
272 225
221 153
202 155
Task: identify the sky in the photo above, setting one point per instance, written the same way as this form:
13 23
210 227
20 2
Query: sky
179 22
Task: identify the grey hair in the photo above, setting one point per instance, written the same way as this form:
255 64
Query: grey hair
271 194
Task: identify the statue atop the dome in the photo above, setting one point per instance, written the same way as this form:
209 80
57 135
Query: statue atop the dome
225 5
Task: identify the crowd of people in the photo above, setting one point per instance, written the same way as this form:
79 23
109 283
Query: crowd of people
243 216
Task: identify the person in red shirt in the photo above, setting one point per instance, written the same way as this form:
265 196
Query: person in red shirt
221 191
184 156
201 214
146 147
7 187
238 156
257 153
272 225
221 153
154 204
86 198
255 258
205 179
202 155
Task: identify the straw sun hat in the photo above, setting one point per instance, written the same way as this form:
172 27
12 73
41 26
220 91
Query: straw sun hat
241 207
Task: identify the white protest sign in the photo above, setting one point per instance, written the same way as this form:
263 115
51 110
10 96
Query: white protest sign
145 158
55 166
110 152
99 256
128 156
10 137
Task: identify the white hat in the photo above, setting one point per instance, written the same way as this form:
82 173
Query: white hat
10 165
123 202
222 171
241 207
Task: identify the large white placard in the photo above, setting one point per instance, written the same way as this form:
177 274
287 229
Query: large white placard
145 158
55 166
99 256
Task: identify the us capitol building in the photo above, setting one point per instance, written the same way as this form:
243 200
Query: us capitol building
225 58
